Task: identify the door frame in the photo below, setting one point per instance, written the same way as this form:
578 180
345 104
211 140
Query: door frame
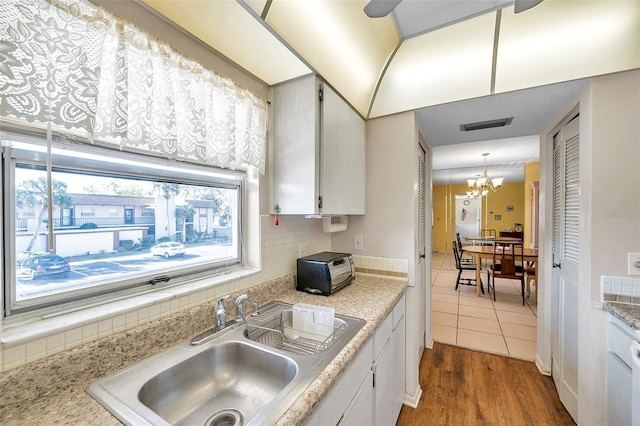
545 242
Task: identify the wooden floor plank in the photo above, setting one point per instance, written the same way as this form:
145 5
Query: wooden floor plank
463 387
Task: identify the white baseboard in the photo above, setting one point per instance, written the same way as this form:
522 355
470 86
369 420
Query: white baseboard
544 370
429 344
413 400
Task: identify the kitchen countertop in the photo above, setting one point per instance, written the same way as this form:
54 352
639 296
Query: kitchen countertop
628 313
52 390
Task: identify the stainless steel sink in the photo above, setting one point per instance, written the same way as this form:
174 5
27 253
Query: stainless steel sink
231 374
228 380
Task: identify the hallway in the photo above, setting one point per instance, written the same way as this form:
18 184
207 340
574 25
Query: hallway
461 318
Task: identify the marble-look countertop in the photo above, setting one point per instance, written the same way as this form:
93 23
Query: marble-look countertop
52 390
628 313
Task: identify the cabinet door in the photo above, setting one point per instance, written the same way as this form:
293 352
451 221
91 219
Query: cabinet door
398 344
342 176
361 410
294 150
383 386
340 397
619 385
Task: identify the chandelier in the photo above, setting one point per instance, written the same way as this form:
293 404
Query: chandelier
479 187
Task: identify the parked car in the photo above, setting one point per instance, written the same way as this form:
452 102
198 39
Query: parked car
48 265
168 250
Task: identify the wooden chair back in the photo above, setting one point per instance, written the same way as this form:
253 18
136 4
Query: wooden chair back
508 260
484 233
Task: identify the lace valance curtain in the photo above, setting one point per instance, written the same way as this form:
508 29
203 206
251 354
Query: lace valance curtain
72 64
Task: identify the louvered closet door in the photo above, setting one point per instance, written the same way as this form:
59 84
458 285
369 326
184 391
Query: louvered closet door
421 270
564 285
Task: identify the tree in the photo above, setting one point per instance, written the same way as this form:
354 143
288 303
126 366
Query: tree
183 212
31 193
168 190
218 196
116 188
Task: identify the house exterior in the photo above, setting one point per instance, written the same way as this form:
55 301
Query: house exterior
119 218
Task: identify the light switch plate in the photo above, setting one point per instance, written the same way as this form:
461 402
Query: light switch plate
634 263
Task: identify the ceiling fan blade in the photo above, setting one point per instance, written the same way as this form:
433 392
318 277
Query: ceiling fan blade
380 8
522 5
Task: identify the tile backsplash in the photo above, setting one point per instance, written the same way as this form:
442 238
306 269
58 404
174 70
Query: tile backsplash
620 289
381 266
280 247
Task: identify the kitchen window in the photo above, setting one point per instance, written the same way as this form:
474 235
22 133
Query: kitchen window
102 117
57 254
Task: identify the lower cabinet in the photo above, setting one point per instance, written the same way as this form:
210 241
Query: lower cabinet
399 368
371 391
619 372
359 412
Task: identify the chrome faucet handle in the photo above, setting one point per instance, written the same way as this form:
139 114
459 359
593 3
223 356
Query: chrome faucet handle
240 301
221 312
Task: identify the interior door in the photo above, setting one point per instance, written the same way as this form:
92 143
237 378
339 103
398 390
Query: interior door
564 285
421 240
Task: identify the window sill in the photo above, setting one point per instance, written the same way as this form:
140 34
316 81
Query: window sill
177 298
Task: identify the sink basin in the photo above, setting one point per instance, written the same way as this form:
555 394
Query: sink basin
231 375
228 380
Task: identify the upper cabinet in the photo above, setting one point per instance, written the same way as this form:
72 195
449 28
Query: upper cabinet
317 151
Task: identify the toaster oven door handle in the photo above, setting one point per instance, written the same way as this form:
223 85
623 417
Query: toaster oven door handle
338 262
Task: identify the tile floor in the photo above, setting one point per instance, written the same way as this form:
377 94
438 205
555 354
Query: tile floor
463 319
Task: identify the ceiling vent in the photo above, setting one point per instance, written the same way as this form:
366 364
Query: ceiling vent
486 124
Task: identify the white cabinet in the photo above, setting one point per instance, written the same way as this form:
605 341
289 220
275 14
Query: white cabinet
398 343
317 151
371 391
360 412
389 366
383 374
357 376
619 372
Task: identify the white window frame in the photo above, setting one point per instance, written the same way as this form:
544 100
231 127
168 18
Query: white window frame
102 161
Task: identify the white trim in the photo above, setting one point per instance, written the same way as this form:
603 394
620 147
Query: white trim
413 400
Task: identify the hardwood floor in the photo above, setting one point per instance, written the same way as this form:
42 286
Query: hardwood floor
463 387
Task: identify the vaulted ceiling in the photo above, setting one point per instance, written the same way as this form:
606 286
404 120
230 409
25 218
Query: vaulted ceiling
452 61
425 53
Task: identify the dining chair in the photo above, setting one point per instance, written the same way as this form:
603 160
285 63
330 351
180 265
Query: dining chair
530 270
508 263
463 259
484 233
466 266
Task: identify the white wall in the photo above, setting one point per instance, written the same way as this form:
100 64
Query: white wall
388 227
610 223
610 207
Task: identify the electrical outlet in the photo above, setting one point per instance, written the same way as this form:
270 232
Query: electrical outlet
358 244
302 249
634 263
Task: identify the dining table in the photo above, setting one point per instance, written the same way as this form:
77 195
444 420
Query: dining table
490 240
486 252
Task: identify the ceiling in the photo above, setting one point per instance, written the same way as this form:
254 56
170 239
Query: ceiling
454 62
457 154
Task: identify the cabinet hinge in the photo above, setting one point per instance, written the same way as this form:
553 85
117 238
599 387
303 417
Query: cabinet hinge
320 202
320 94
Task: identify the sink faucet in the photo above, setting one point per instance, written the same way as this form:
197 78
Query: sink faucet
240 301
221 313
